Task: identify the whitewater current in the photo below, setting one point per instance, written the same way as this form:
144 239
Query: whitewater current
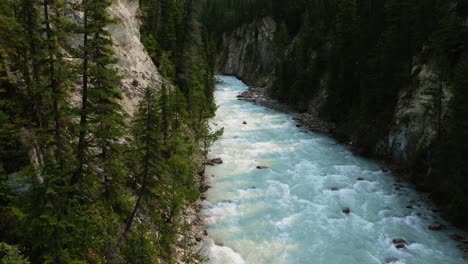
292 211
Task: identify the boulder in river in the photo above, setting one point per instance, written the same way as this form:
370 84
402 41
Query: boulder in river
360 179
399 243
435 226
204 188
213 162
262 167
299 125
247 95
244 123
334 189
346 210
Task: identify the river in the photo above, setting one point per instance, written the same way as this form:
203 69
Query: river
292 211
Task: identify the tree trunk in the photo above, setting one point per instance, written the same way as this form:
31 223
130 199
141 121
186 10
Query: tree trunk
145 174
77 176
54 87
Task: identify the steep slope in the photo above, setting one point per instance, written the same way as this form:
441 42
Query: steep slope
248 53
134 63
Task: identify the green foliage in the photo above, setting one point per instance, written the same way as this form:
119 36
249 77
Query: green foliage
225 15
140 247
72 181
11 255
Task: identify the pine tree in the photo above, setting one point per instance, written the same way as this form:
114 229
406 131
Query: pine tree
101 120
459 124
167 28
11 255
146 150
59 79
342 78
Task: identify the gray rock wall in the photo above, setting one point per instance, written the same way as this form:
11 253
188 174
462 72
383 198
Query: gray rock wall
248 53
134 63
414 126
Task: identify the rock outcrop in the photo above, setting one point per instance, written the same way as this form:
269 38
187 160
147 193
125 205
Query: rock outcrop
135 67
413 128
248 53
134 63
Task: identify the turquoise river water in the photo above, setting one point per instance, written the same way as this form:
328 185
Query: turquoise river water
290 214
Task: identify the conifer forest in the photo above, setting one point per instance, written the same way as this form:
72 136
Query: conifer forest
233 131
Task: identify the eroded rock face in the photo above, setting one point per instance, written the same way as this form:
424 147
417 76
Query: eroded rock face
414 126
134 63
248 53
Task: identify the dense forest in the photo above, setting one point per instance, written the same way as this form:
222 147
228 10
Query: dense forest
365 53
81 180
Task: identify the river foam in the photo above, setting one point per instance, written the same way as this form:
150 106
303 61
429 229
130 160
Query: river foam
291 212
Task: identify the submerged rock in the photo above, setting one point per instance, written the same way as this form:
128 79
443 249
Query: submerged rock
435 226
334 189
262 167
391 260
244 123
346 210
360 179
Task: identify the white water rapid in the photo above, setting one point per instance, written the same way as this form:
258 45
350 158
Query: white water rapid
292 212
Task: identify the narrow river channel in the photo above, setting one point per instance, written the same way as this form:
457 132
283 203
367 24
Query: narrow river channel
291 212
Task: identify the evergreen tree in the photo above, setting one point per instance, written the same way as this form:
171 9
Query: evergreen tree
101 120
147 145
11 255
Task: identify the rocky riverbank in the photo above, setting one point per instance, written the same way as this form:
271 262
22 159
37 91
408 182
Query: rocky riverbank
195 238
309 121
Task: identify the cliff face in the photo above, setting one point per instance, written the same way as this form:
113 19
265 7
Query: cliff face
135 67
248 53
413 128
134 64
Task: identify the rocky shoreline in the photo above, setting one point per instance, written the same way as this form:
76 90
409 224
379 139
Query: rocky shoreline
192 242
311 122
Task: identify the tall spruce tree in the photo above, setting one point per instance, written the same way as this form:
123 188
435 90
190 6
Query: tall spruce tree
146 150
